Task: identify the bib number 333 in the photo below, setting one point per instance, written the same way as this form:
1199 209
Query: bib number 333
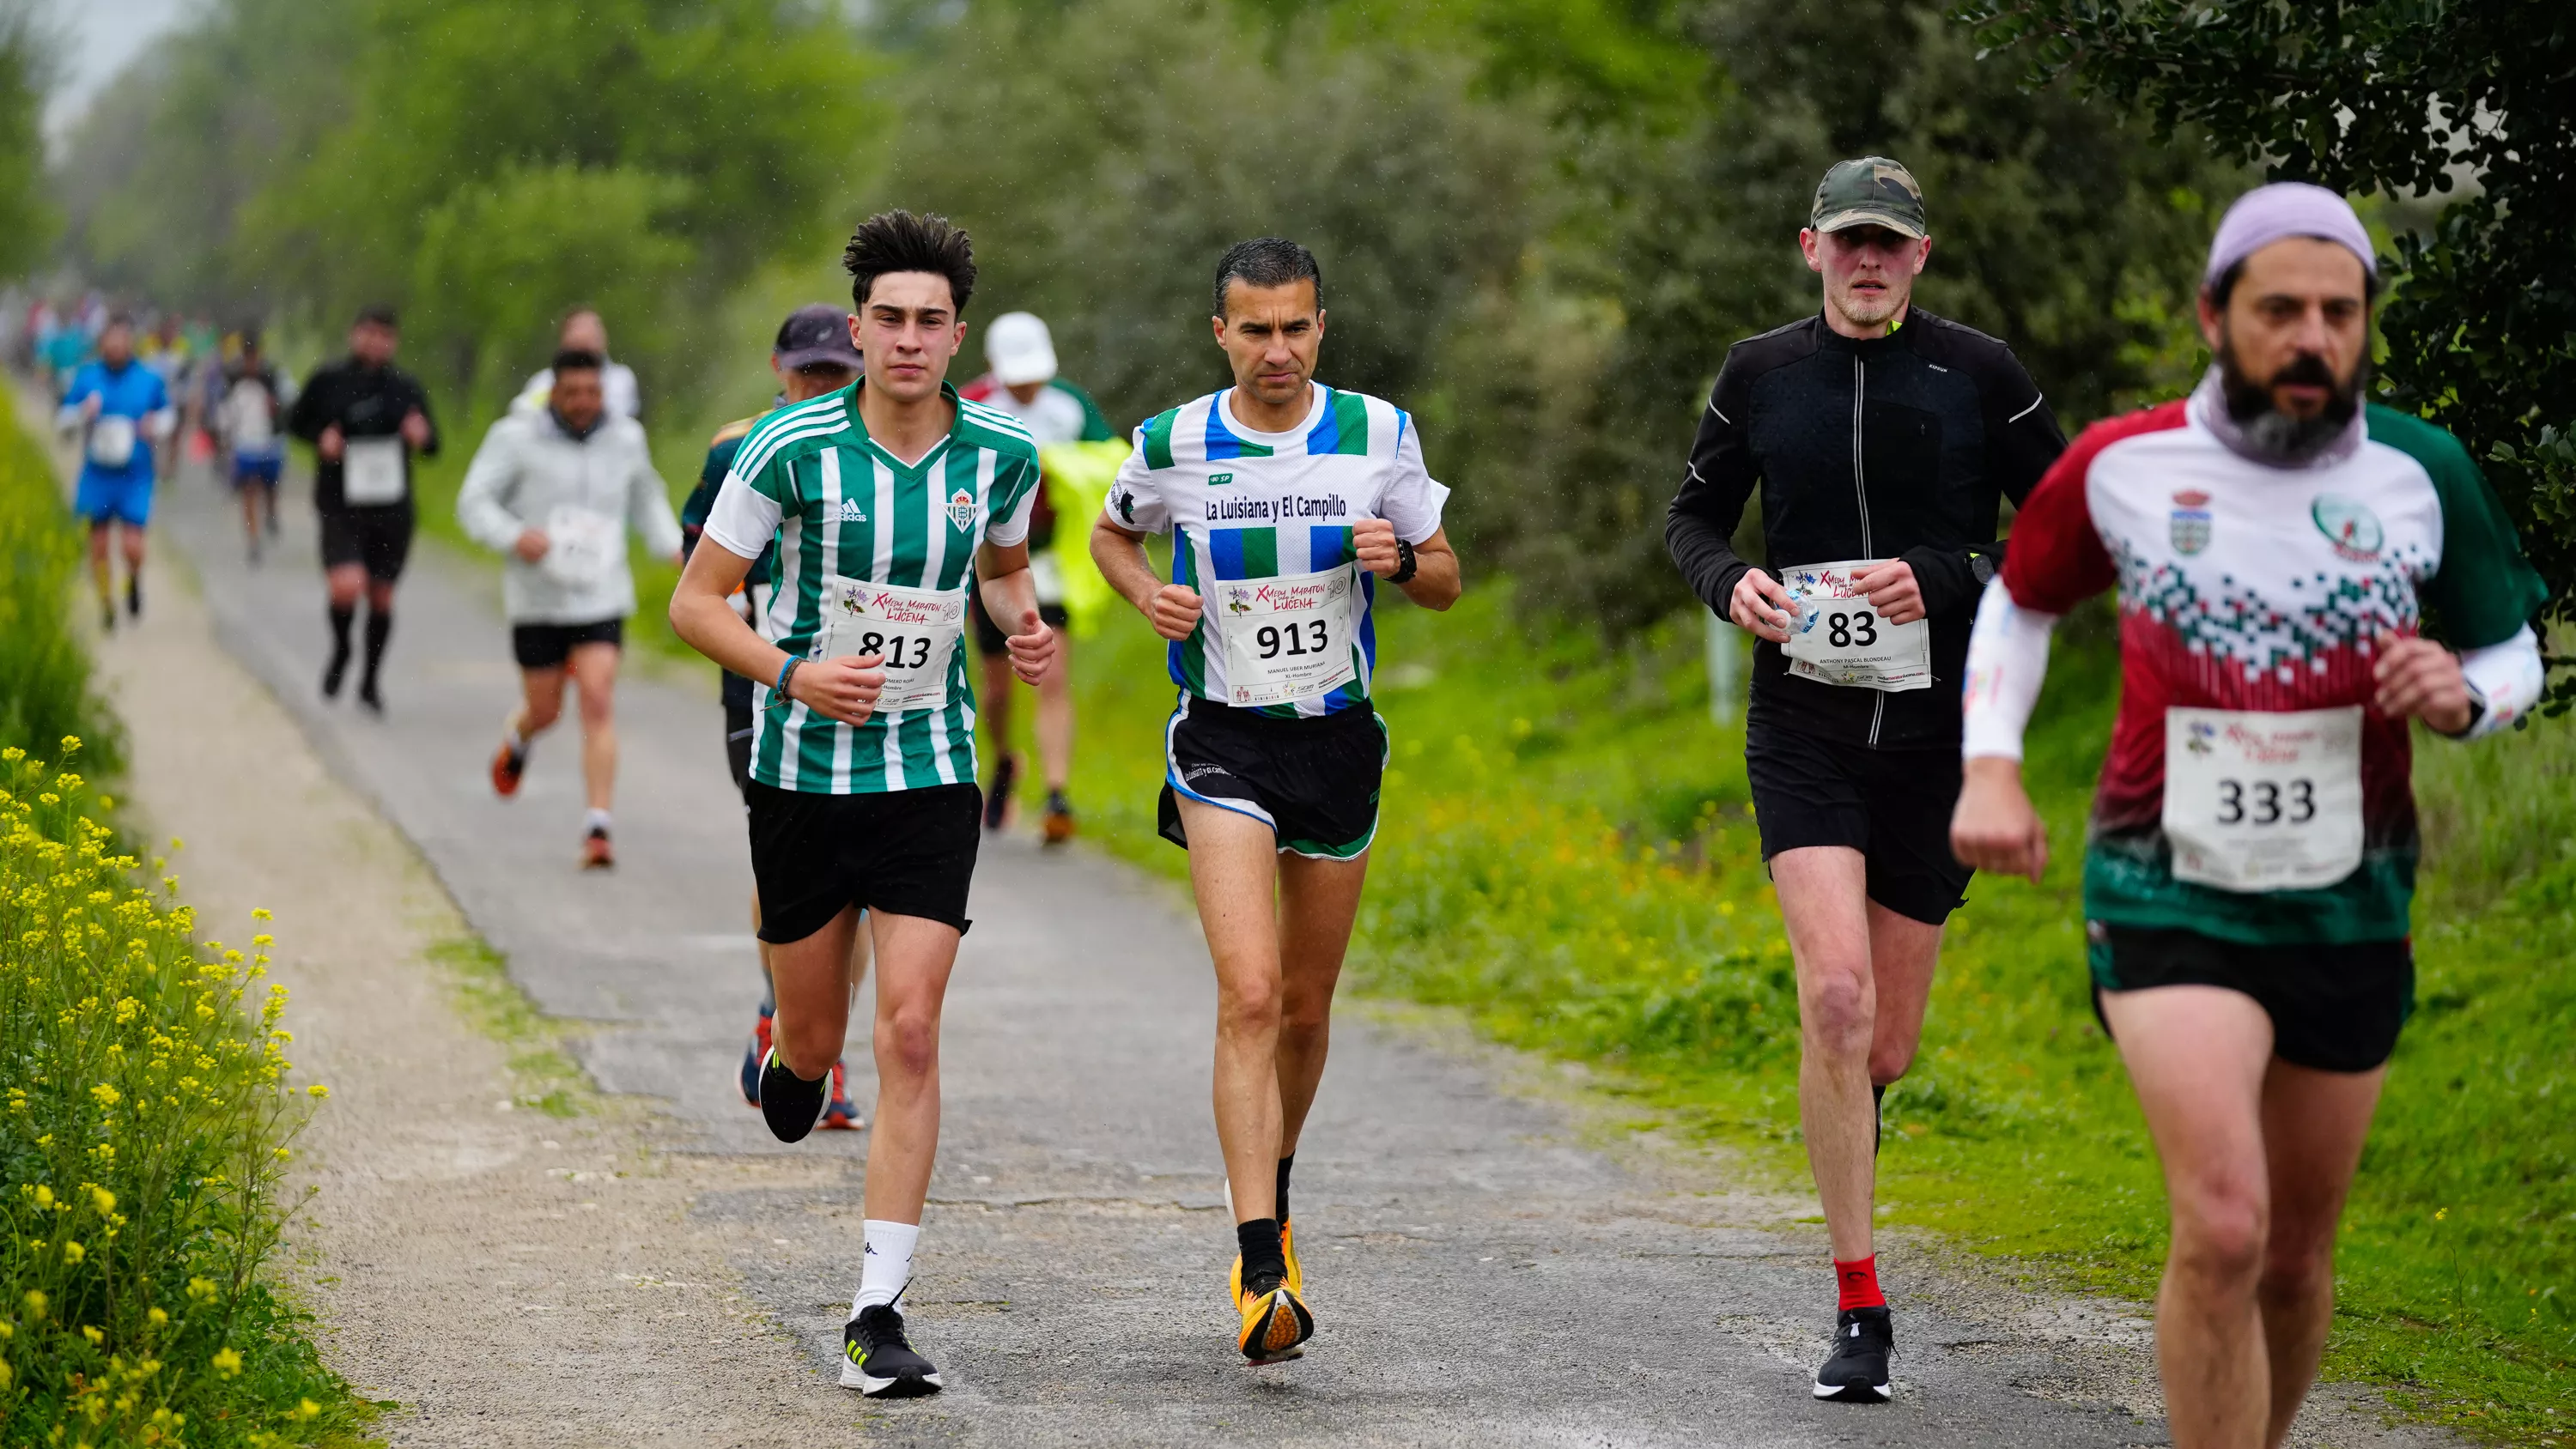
915 631
2259 801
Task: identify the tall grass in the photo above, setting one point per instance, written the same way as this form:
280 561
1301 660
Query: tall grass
147 1120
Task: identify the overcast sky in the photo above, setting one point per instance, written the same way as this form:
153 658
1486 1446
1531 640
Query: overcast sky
99 37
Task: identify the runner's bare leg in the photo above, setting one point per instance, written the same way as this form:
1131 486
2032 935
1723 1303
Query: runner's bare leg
1318 900
1234 873
2313 1126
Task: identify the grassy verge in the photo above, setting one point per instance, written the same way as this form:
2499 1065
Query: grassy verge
147 1121
1568 856
544 1074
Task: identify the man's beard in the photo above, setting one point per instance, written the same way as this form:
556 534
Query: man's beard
2274 433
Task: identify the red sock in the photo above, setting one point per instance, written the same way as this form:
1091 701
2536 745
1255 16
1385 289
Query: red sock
1859 1283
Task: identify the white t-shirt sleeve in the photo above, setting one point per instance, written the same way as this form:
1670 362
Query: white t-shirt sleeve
744 519
1134 503
1006 529
1413 500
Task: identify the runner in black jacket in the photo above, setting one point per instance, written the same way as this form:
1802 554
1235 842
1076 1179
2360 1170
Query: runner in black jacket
365 402
1883 438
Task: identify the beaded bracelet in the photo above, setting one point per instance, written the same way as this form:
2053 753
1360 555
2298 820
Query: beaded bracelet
778 696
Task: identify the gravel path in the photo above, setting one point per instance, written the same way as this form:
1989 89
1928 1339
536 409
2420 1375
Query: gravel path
1492 1262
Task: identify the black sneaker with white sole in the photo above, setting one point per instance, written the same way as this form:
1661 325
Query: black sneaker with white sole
878 1362
1856 1371
789 1103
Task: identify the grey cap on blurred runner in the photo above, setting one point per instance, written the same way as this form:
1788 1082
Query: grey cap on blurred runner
1872 191
816 334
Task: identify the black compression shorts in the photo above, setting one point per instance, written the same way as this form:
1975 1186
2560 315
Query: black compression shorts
548 646
1893 806
1313 781
2333 1008
992 638
379 538
738 737
897 852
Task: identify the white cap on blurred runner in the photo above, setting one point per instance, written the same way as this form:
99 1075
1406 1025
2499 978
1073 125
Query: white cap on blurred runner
1018 347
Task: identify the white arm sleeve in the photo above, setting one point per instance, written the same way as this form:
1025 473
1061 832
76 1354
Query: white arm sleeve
2007 658
2508 676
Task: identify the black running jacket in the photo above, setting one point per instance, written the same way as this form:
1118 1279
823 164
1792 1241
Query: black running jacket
1887 447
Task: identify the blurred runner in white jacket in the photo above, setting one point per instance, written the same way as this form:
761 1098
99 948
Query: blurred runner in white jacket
555 491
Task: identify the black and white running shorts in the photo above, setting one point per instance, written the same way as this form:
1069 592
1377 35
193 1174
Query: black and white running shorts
1313 781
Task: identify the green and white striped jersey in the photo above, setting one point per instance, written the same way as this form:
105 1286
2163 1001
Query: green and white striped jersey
840 506
1250 505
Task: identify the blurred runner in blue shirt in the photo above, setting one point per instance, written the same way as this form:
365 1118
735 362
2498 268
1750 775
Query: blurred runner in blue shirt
118 408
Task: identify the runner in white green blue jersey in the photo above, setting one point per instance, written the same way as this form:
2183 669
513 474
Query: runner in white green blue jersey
2274 543
1288 501
886 501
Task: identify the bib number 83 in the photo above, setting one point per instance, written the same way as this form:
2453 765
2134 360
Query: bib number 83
892 647
1844 631
2262 802
1275 639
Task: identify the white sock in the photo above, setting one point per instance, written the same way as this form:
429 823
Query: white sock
596 820
887 1264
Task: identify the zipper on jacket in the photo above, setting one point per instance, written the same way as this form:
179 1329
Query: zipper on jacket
1860 494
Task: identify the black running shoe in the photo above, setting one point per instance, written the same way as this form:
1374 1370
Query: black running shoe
878 1362
368 696
1856 1373
789 1103
332 673
997 801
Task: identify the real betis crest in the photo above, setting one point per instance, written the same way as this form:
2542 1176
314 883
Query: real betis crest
2191 520
961 510
2350 526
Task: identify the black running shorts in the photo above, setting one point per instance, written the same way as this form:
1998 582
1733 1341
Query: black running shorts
547 646
1893 806
2333 1008
379 538
738 737
992 638
1313 781
898 852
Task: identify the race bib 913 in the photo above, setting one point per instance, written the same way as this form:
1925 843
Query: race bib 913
1286 638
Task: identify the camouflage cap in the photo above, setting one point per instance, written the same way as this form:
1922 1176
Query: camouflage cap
1872 191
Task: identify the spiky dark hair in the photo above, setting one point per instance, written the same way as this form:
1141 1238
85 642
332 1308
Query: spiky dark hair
900 241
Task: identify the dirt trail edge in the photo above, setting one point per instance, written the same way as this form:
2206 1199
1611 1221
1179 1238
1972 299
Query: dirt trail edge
658 1271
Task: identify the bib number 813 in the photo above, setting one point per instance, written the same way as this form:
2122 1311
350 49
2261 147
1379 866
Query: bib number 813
1276 639
1843 631
2261 803
892 647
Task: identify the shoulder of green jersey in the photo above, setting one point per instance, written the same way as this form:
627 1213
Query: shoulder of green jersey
789 426
990 427
2432 446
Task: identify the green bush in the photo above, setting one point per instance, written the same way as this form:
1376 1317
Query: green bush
143 1142
44 669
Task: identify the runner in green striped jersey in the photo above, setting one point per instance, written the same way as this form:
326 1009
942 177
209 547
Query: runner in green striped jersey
887 501
1288 502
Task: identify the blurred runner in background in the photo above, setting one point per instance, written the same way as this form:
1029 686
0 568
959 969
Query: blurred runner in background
248 409
812 356
365 418
555 492
583 331
118 407
1023 383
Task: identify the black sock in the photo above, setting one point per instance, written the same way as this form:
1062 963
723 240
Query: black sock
1279 1204
380 627
1264 1264
341 618
1878 1115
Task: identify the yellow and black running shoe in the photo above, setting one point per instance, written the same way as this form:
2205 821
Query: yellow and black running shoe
1288 1250
1275 1321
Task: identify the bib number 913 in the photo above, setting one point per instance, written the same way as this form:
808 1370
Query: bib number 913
2267 802
1291 640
